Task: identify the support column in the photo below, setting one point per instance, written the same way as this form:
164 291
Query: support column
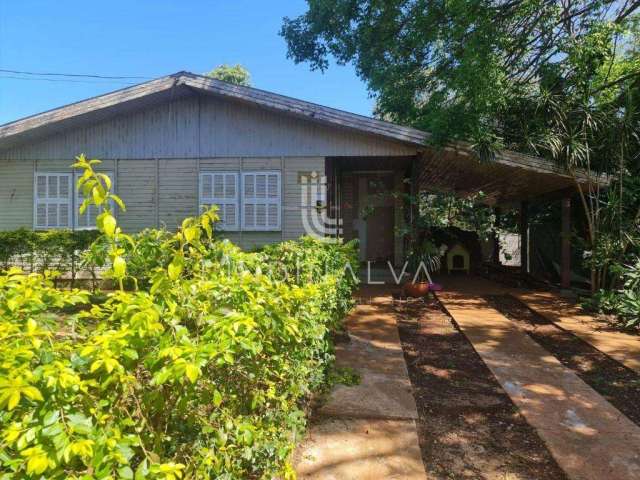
524 237
565 270
496 237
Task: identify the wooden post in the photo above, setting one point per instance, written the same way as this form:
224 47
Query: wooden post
565 275
496 237
524 237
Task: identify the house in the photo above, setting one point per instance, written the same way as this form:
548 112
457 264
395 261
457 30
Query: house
277 167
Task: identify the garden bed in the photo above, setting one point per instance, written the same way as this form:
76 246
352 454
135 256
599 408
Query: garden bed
615 382
468 426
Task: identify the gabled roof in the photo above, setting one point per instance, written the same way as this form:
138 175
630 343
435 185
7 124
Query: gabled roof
181 84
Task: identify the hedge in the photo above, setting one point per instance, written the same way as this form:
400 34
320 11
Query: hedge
38 251
200 371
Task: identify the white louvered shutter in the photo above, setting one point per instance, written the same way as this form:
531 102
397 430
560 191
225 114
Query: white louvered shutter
261 200
52 200
221 189
87 219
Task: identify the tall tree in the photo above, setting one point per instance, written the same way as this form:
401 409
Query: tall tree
236 74
452 67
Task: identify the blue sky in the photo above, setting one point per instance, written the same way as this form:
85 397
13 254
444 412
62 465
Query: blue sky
154 38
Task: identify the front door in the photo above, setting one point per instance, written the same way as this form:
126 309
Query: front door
377 214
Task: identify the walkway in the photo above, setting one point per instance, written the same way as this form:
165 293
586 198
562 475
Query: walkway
623 347
367 431
587 436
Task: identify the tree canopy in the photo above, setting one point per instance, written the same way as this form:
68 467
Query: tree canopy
470 69
235 74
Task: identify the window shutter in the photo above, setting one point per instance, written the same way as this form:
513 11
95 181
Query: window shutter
221 189
52 200
262 202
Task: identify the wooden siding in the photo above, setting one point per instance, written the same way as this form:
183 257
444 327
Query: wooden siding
157 153
202 126
16 194
137 186
162 192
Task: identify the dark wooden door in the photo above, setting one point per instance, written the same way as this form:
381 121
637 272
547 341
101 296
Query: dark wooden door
380 227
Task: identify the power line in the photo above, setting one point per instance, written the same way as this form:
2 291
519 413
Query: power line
65 80
48 74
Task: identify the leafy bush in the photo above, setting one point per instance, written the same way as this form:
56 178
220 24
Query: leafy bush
38 251
625 302
198 371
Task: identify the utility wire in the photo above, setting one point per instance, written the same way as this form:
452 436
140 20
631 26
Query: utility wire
66 80
45 74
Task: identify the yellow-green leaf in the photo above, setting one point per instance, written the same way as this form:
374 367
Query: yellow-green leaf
192 372
119 267
109 224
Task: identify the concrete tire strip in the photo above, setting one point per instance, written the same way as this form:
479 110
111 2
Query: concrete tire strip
589 438
623 347
367 431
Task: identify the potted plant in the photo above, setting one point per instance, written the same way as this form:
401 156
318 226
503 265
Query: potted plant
424 257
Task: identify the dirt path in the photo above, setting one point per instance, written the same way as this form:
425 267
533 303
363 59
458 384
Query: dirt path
468 425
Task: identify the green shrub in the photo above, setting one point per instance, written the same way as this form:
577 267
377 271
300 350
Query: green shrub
623 303
197 371
38 251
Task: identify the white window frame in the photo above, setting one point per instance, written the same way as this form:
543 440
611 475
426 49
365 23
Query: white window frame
262 201
72 201
77 202
221 202
57 201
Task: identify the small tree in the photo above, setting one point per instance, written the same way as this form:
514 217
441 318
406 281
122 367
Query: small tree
235 74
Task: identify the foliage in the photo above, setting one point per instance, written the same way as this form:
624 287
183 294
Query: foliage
235 74
464 69
199 371
624 302
38 251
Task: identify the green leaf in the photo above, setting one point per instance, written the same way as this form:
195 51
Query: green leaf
217 398
119 267
175 267
193 372
125 473
109 224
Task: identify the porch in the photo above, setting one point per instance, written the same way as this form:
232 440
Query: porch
367 199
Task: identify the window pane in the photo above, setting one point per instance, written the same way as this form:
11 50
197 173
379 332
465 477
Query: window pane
273 215
249 186
207 186
261 215
273 186
261 186
64 187
249 215
41 214
52 214
53 186
230 214
42 186
63 215
218 186
230 186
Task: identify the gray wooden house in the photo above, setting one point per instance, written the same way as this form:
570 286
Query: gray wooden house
179 142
